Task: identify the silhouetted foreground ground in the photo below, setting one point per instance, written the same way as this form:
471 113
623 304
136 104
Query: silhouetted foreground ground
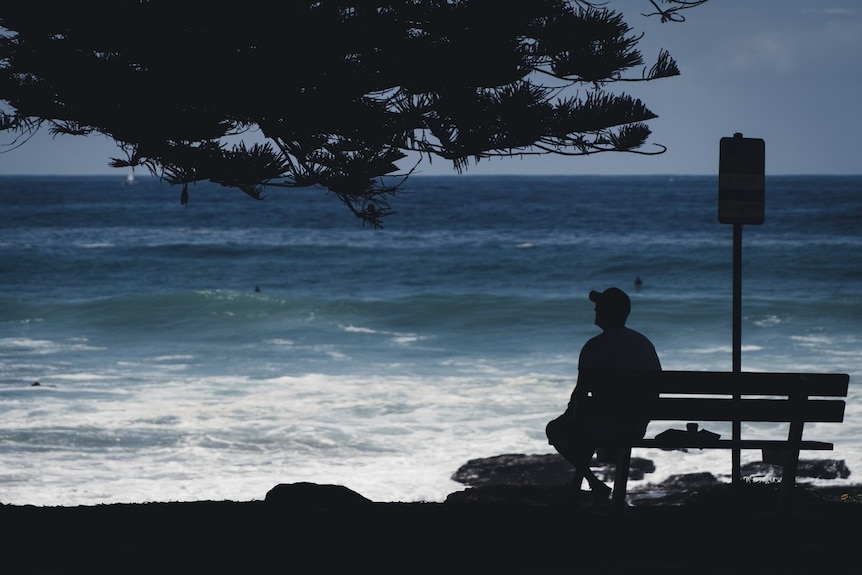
305 528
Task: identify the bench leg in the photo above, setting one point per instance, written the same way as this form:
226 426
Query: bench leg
791 459
621 477
788 478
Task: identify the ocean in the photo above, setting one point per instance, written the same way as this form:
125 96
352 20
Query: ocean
213 351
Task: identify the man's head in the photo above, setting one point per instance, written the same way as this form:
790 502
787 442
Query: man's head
612 307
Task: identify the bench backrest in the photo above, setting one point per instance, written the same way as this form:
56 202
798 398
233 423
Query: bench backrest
745 396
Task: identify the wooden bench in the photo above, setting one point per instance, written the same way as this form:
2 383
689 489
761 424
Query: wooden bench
694 397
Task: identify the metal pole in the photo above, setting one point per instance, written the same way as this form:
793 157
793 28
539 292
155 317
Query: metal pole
737 341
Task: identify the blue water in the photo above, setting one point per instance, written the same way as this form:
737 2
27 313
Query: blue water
215 350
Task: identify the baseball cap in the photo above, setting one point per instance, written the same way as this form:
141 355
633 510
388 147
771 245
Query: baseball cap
612 299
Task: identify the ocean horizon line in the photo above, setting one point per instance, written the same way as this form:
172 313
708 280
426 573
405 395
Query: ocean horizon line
144 173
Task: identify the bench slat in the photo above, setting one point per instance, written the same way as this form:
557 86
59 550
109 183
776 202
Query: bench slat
768 410
752 383
729 383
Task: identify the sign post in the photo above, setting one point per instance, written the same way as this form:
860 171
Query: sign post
741 191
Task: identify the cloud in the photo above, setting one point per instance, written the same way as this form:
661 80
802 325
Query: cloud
830 11
810 43
767 53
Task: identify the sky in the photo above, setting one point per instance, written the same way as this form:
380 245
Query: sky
786 71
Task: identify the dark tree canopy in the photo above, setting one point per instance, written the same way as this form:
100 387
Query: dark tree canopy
328 93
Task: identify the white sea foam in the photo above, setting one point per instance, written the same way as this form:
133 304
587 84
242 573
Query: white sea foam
28 346
354 329
391 439
812 340
772 320
96 245
719 349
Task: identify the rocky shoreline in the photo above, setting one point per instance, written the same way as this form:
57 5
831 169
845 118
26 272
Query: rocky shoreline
492 526
550 474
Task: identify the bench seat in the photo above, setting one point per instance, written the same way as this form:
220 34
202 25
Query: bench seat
712 396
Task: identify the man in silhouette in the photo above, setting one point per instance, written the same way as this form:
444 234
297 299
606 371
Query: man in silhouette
598 414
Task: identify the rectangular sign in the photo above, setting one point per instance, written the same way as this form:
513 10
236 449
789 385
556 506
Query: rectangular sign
741 180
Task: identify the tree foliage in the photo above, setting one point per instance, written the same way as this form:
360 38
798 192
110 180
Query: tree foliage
329 93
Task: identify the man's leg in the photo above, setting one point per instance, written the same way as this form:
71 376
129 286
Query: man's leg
597 486
580 458
569 442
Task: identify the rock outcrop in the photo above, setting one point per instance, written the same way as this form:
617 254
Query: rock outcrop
544 470
545 478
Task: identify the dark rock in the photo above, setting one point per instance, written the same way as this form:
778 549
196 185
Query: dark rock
810 468
760 471
823 469
543 470
314 496
515 469
541 479
688 481
674 490
638 468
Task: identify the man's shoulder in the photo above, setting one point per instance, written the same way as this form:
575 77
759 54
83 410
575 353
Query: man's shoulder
619 333
619 348
617 337
636 335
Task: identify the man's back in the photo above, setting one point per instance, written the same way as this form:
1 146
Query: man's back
619 348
